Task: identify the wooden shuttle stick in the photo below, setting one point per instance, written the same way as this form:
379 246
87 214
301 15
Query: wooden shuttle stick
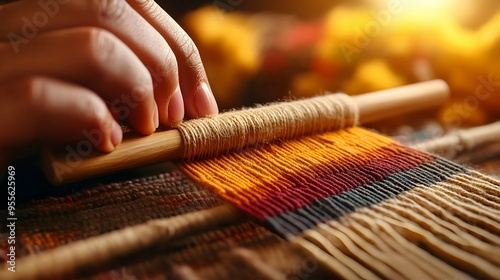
168 145
456 143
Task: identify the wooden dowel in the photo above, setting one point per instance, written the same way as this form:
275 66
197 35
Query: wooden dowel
456 143
61 167
162 146
482 135
385 104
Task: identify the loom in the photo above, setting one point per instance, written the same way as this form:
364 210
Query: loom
170 145
357 204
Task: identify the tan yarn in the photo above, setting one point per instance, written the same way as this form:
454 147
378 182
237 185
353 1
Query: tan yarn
279 121
421 234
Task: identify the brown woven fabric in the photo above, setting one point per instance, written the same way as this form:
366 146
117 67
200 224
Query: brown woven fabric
54 221
243 250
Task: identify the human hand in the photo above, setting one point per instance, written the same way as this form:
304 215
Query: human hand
74 66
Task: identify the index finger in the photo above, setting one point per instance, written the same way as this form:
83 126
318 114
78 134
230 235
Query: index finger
198 97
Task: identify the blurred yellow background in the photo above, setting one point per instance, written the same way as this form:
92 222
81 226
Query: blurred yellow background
305 48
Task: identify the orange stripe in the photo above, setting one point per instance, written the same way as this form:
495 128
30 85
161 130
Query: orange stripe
254 173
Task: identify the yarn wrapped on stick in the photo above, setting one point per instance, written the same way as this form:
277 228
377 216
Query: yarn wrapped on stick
279 121
244 128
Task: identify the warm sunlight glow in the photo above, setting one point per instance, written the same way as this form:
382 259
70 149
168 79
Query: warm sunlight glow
427 7
424 8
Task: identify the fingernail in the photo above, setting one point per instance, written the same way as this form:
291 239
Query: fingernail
156 118
205 101
116 134
176 108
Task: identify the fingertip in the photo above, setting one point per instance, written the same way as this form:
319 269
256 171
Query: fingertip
144 119
116 134
204 100
115 138
176 108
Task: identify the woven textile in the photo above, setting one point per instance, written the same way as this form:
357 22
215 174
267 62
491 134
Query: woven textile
372 206
350 204
51 222
243 249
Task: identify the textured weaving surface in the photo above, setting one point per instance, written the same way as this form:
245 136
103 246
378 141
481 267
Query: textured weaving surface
351 204
397 202
54 221
244 249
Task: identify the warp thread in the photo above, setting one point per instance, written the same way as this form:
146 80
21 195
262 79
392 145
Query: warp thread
346 194
425 217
